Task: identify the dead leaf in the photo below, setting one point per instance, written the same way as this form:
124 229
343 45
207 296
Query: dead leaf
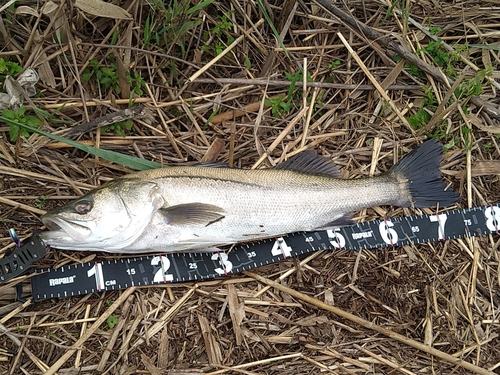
49 7
311 321
214 353
26 10
150 366
103 9
237 312
44 71
477 122
485 167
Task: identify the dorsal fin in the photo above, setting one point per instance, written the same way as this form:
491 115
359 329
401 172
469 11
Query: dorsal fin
311 163
211 164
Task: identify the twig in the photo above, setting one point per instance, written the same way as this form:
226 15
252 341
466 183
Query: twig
280 137
281 359
210 63
97 324
383 360
365 323
449 48
391 45
300 84
39 363
111 118
21 206
370 76
40 338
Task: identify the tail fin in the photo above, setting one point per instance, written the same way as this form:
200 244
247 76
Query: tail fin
421 169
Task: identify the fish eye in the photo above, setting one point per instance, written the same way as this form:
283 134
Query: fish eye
83 207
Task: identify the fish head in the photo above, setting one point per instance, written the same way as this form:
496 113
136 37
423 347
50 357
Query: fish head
108 218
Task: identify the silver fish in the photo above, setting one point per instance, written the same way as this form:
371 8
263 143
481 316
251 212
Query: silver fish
196 207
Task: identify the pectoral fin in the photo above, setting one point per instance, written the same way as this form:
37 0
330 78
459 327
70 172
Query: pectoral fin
200 214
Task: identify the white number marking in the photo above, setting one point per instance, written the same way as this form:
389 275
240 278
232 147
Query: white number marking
492 214
281 248
336 239
131 271
389 235
99 276
227 266
441 220
161 276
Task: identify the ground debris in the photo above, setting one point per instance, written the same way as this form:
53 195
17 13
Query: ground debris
215 85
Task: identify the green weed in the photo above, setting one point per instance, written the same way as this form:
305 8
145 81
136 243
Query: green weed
442 57
467 88
330 74
137 84
441 134
422 117
10 68
112 321
248 63
40 202
419 119
119 127
169 22
132 162
434 30
412 68
489 148
436 50
473 86
21 117
212 115
106 76
334 64
282 105
220 34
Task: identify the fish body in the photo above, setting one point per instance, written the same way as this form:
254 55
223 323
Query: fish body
196 207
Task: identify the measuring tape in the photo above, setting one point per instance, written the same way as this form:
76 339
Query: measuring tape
151 270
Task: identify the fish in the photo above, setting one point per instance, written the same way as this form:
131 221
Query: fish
191 208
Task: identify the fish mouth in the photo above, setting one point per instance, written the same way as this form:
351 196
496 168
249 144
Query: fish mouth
60 228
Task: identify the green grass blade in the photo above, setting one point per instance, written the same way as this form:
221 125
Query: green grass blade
115 157
199 6
485 46
275 32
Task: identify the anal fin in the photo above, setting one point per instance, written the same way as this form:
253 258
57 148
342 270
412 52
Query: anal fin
343 221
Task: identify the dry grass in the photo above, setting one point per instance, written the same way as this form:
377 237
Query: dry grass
444 297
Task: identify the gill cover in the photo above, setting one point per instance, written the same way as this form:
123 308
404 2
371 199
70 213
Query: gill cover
110 217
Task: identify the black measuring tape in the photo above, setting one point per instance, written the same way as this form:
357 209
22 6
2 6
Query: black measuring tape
151 270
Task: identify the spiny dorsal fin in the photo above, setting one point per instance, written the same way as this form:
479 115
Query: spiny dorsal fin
312 163
211 164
